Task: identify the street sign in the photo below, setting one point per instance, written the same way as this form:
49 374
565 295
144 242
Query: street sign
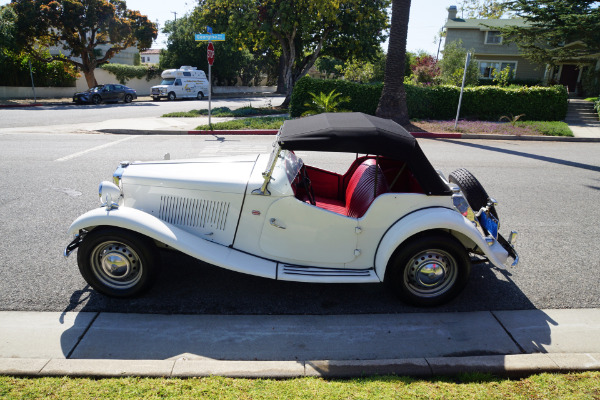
207 37
210 53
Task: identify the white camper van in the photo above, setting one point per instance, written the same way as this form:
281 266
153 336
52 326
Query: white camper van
184 82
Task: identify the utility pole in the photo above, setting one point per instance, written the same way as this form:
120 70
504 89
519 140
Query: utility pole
175 12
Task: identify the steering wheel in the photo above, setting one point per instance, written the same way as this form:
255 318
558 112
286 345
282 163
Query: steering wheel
304 179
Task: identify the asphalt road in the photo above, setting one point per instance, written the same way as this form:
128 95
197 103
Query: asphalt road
77 114
548 191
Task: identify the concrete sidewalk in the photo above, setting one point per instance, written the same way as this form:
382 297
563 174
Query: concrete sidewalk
509 343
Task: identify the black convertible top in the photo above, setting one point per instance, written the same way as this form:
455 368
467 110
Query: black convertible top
365 134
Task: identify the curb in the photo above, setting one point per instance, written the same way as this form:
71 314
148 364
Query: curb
418 135
500 365
25 105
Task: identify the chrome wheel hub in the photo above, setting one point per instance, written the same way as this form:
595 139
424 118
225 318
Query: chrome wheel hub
116 265
430 273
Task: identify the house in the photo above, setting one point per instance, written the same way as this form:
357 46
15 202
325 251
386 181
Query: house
150 56
483 35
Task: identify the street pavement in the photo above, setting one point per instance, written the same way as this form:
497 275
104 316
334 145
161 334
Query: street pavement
99 344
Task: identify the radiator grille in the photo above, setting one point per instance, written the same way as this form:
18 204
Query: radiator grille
196 213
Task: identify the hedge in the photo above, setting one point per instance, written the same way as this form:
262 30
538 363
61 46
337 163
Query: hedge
125 72
487 103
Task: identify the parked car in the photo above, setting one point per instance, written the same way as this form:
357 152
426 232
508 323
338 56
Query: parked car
390 218
106 93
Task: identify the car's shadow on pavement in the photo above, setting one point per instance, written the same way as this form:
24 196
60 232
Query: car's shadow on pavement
189 286
186 286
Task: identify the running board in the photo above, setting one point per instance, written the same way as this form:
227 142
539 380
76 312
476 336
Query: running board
297 273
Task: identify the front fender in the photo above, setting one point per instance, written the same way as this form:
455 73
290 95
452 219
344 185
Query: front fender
430 219
152 227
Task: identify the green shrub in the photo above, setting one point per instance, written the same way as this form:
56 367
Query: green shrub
125 72
14 71
439 102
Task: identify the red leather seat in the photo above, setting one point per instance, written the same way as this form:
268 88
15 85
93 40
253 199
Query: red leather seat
360 191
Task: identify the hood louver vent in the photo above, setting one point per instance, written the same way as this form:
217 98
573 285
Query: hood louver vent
196 213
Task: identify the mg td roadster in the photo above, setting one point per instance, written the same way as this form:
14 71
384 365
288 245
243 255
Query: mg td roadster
389 218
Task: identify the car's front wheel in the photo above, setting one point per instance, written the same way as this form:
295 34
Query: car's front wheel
128 98
117 262
96 99
428 270
171 96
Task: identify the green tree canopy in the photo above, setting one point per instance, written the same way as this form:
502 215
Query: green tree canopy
301 30
452 65
492 9
231 61
556 30
79 27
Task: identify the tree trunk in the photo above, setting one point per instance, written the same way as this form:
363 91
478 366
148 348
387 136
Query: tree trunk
392 104
90 78
280 80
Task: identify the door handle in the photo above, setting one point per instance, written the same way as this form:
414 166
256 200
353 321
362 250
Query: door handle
273 222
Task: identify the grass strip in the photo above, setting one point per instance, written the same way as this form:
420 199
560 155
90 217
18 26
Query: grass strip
578 386
247 123
548 128
226 112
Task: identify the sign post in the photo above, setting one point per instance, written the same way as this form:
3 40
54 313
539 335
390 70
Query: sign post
210 57
462 89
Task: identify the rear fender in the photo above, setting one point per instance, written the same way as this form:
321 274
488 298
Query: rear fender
154 228
435 219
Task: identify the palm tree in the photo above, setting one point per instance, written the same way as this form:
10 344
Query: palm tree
392 104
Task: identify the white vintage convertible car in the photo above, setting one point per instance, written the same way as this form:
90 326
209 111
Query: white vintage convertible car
390 218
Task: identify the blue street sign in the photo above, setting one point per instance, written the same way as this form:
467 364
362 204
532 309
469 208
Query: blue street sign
209 29
207 37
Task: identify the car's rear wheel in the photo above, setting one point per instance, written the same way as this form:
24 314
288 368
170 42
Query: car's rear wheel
428 270
200 96
117 262
171 96
96 99
472 189
128 98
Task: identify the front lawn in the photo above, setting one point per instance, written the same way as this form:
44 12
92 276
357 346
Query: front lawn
246 124
519 128
247 111
585 385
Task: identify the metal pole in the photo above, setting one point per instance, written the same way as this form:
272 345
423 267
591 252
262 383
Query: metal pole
209 94
462 88
32 84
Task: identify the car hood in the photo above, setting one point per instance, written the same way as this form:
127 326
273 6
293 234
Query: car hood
217 174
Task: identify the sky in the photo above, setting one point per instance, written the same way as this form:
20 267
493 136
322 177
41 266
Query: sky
426 19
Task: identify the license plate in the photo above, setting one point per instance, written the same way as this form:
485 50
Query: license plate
489 223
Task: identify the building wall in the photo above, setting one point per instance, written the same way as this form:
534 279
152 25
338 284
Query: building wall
474 39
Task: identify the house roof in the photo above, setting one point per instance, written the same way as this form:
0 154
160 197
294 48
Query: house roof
484 24
151 51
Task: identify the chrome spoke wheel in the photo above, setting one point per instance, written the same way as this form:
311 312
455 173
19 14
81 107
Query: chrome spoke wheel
116 265
430 273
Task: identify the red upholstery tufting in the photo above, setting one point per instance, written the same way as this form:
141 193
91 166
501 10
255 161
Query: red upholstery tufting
360 191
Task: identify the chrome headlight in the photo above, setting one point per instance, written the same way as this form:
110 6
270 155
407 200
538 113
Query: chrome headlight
110 195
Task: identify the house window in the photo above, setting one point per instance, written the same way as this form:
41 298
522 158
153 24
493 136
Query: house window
486 68
493 37
143 59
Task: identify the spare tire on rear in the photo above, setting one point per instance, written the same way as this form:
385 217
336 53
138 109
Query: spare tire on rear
472 189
